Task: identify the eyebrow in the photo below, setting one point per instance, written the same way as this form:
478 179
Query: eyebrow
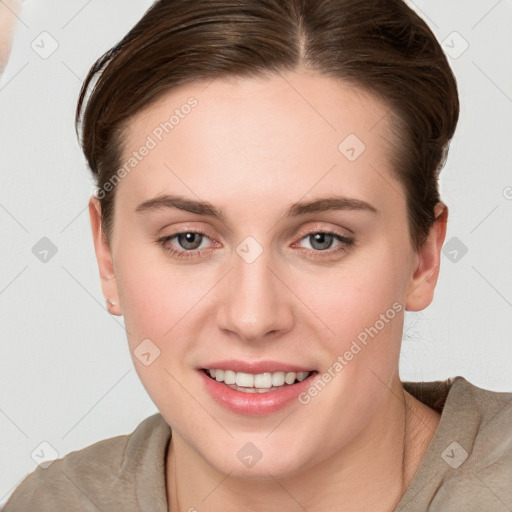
164 202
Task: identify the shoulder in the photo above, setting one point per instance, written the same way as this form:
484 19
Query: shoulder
468 463
476 449
99 476
458 398
483 418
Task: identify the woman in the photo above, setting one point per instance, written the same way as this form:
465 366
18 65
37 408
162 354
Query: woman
267 209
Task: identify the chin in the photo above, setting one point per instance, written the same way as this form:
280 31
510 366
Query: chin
258 460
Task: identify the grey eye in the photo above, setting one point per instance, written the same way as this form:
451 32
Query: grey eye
321 241
189 240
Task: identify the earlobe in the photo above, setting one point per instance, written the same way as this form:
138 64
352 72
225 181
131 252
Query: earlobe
423 282
104 258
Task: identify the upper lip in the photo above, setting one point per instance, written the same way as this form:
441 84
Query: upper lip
255 367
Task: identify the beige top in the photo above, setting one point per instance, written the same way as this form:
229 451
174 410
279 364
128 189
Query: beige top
467 466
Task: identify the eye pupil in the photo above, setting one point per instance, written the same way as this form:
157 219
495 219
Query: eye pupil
186 240
324 239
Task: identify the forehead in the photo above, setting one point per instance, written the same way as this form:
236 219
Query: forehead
281 135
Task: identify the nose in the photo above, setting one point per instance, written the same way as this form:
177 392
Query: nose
256 305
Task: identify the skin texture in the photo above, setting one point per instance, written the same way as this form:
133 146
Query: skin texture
252 147
8 12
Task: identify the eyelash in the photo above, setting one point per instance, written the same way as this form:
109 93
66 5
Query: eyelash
346 243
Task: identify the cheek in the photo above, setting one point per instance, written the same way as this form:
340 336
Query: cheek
362 292
159 299
164 302
157 303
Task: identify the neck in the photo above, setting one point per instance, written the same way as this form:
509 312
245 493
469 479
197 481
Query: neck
372 473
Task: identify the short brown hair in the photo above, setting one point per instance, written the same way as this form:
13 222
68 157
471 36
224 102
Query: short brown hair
382 46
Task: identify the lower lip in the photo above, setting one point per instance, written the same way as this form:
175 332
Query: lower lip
254 403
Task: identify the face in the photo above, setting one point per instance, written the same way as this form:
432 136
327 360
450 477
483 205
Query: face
8 12
255 281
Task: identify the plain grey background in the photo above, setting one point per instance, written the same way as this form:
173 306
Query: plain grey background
67 378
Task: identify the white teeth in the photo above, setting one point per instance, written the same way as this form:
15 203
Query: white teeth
302 375
289 378
261 381
245 380
229 377
278 379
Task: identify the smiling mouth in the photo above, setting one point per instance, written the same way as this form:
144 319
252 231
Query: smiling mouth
256 383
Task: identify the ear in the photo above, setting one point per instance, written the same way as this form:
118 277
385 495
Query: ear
104 258
423 282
